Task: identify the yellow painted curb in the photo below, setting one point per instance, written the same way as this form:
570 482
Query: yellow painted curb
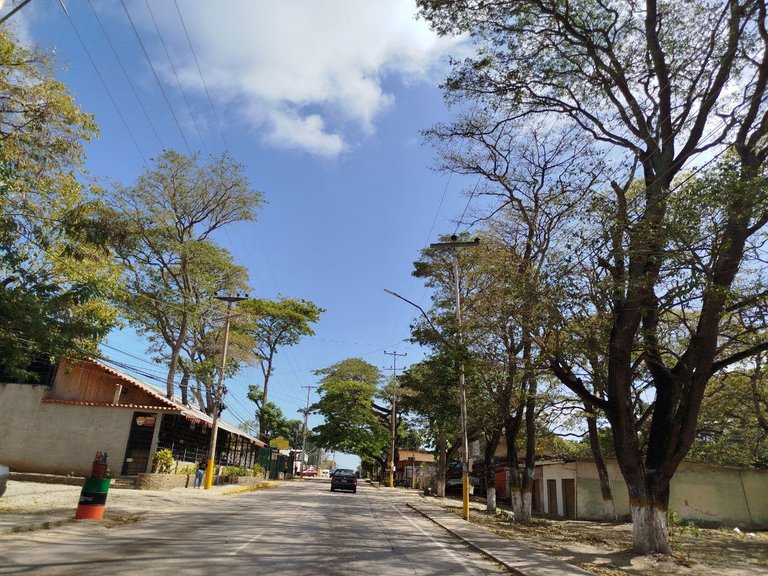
251 488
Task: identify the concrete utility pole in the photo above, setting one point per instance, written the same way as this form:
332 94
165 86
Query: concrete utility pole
304 433
219 390
455 245
391 477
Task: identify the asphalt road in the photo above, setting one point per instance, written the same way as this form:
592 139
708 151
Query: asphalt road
297 529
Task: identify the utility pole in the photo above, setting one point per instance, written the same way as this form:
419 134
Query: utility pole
454 245
219 390
391 477
304 432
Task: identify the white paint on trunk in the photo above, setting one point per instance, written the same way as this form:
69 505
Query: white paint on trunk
517 504
525 507
649 530
490 500
609 506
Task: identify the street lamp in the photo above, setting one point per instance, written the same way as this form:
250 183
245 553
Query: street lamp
218 391
454 244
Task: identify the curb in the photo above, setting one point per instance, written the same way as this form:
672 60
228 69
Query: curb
250 488
534 564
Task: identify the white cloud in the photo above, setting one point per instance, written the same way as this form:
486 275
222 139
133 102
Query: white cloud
308 74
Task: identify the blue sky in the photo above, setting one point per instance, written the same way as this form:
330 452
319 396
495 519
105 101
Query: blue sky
323 103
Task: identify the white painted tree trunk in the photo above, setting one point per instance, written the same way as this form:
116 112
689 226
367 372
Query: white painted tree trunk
649 530
517 504
609 506
525 507
490 500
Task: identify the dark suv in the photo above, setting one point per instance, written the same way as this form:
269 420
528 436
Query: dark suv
344 479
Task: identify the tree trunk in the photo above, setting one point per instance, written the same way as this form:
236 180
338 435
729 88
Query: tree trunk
511 431
184 386
442 463
649 528
531 387
175 353
609 507
491 443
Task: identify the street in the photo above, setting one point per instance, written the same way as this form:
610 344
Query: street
298 528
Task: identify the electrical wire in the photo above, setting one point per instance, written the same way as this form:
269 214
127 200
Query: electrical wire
176 74
157 77
103 82
200 72
127 76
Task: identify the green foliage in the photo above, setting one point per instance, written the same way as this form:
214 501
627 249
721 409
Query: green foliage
272 422
347 392
270 325
170 214
162 461
258 470
56 272
234 471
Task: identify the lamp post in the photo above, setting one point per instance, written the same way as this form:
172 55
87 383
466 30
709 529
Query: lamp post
454 244
218 391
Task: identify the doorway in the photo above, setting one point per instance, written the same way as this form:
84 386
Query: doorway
139 443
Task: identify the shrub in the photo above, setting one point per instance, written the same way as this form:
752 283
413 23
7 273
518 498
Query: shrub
258 470
163 461
232 471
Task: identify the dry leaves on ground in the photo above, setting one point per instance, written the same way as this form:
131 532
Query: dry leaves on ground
606 549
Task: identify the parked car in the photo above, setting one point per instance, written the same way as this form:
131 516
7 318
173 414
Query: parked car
344 479
310 472
4 473
453 486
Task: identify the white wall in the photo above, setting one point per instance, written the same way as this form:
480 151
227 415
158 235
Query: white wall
58 438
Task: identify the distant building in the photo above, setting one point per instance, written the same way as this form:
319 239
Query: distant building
86 406
412 466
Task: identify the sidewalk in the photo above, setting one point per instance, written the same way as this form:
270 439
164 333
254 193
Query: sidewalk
28 506
518 560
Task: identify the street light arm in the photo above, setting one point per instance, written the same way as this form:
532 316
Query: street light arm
429 321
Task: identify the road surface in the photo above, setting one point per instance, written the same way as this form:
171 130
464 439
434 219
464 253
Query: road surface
300 528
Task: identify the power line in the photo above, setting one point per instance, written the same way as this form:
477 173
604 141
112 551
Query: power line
157 77
200 72
103 82
178 81
127 76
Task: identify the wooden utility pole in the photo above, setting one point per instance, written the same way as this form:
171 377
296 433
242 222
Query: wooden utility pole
218 392
391 476
455 245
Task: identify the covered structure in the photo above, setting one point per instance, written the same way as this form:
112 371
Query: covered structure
86 406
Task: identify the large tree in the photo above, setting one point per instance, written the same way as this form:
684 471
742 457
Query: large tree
56 272
347 394
172 211
275 324
431 390
660 84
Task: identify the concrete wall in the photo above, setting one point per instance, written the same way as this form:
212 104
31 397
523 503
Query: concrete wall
557 473
589 497
56 438
705 494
